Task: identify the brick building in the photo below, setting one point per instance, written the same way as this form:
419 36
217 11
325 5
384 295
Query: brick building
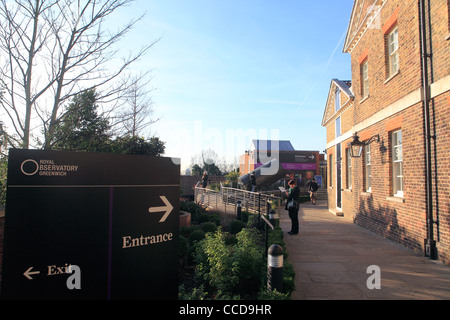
399 186
297 164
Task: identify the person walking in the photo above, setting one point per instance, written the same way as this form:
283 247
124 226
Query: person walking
313 187
293 206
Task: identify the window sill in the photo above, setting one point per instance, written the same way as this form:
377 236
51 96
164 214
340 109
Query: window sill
366 194
348 190
364 99
395 199
337 212
392 77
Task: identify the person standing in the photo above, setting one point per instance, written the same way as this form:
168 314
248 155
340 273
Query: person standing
293 206
205 179
253 181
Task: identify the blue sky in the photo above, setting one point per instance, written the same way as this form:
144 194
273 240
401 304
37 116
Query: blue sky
227 71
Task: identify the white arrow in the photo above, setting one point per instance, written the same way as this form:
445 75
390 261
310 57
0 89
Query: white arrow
167 208
28 273
311 157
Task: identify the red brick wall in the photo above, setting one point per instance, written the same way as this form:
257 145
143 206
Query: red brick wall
382 92
400 219
441 175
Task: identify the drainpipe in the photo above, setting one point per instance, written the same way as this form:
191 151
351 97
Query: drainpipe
430 243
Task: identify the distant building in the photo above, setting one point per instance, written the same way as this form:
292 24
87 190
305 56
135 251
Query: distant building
399 185
301 165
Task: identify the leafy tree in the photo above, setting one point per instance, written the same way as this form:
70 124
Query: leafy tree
81 128
212 169
197 170
3 174
137 145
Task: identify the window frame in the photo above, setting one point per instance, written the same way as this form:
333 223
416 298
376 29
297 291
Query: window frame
338 128
397 163
337 99
365 79
367 169
392 51
349 168
331 170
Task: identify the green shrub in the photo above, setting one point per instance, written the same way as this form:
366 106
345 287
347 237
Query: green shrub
230 271
244 216
209 217
276 237
229 265
194 294
209 227
273 295
192 252
183 246
203 217
288 278
186 231
230 240
252 220
194 209
214 263
196 235
215 218
249 260
236 226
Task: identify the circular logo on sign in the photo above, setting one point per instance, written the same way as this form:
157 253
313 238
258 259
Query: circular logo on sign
29 167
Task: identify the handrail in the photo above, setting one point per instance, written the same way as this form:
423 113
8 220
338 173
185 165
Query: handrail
266 231
250 201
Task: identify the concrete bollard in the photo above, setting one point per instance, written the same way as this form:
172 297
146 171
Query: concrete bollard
275 268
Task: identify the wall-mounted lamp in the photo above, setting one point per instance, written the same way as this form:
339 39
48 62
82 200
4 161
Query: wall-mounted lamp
357 145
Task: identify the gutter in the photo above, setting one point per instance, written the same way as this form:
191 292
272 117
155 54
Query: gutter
430 243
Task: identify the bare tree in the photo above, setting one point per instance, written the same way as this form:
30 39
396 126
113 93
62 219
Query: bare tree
51 50
137 109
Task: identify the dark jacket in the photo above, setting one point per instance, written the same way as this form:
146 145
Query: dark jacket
204 180
313 186
294 194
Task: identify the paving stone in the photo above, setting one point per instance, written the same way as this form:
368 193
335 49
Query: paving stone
331 257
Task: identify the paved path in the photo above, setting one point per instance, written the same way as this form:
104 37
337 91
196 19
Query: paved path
331 256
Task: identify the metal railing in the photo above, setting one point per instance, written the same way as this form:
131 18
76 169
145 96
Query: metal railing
206 197
253 202
228 199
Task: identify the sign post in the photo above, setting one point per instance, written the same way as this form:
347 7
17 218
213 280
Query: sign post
91 226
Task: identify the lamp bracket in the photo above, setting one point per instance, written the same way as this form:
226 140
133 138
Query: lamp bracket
375 138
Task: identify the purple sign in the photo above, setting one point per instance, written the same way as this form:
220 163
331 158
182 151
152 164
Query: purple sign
294 166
